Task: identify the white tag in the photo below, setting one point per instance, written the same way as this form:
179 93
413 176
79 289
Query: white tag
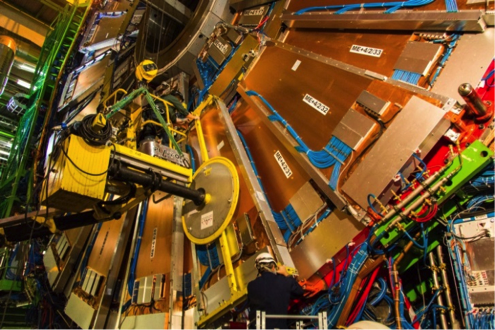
223 48
368 51
260 196
153 243
206 220
283 164
254 12
220 145
296 65
314 103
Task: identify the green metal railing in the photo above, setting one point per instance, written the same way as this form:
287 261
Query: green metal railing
53 57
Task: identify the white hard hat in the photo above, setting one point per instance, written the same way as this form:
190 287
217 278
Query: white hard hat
367 325
264 258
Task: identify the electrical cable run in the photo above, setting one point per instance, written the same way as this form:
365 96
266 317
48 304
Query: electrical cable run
406 76
393 6
334 154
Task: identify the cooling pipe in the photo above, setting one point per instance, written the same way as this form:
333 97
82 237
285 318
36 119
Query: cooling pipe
7 54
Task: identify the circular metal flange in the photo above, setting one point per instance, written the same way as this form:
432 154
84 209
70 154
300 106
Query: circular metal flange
205 223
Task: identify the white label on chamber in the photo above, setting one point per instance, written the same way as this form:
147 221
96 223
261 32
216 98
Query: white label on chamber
314 103
220 145
368 51
283 164
206 220
153 243
260 196
222 47
296 65
254 12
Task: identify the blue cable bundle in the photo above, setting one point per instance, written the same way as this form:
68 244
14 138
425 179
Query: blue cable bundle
455 254
347 281
485 179
395 5
475 202
406 76
451 6
132 273
334 154
445 56
208 255
193 161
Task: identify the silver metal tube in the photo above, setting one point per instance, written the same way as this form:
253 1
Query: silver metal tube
411 196
446 286
434 269
420 201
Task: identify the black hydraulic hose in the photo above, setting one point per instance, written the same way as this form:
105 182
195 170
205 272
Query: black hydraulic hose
153 179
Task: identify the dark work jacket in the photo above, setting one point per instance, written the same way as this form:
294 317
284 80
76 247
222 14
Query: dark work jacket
272 293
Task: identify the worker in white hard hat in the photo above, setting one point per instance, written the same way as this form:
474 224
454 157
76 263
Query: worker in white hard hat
272 291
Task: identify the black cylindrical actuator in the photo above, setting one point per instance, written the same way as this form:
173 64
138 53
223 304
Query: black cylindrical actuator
123 173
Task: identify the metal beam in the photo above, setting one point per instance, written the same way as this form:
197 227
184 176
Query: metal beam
18 22
465 21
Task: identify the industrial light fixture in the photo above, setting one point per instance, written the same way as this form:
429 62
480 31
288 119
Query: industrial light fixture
23 83
27 68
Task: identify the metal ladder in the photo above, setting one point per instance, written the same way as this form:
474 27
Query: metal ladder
261 317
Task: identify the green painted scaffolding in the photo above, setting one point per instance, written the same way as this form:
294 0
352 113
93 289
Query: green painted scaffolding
53 58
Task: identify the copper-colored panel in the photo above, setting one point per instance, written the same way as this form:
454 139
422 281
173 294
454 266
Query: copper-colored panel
275 79
104 247
159 218
263 145
217 143
337 45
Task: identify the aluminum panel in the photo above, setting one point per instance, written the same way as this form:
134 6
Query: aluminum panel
473 53
146 321
220 291
79 311
413 125
481 255
353 128
306 202
418 57
467 21
51 265
323 242
216 294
